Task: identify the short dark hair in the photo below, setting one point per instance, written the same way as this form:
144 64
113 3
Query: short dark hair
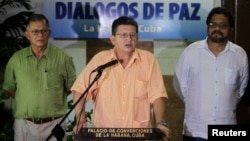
123 20
221 10
37 17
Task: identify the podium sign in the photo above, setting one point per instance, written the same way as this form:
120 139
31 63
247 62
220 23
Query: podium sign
117 134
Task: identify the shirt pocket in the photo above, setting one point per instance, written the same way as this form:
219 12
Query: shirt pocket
53 80
140 89
230 76
142 106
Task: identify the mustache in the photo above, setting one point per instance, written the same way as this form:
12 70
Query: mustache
217 32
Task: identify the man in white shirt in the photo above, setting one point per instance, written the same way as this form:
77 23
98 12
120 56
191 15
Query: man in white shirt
211 77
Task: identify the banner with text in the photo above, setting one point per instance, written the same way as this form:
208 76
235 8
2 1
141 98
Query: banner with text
157 19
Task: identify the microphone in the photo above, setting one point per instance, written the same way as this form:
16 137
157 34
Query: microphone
102 67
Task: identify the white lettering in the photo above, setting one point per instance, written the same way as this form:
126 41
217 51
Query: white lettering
216 132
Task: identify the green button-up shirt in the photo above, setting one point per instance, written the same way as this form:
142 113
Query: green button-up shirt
40 85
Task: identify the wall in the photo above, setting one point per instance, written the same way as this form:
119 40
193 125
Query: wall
166 51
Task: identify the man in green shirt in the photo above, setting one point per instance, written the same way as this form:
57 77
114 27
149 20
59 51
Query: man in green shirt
39 78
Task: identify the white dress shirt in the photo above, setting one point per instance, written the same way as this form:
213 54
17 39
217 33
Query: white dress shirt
210 86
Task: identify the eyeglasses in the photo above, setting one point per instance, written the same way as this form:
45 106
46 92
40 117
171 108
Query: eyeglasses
220 25
36 32
126 35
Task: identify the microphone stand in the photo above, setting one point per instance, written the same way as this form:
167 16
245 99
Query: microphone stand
58 131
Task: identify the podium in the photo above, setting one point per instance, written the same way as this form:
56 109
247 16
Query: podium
119 134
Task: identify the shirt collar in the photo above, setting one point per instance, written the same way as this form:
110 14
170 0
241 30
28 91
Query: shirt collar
46 52
135 55
228 45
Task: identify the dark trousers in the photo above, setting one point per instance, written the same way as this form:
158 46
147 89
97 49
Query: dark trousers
187 138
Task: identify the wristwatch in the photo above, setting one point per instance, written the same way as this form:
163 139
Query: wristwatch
164 123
